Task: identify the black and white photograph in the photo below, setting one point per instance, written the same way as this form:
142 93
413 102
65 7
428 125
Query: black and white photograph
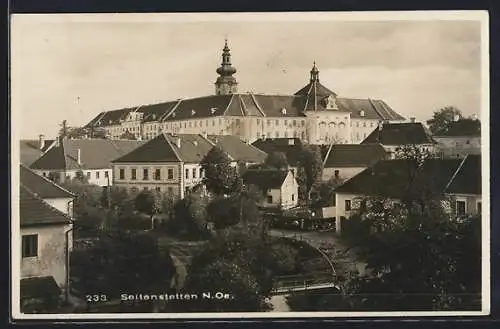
250 165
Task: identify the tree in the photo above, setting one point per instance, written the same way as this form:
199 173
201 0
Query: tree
146 202
190 216
326 191
276 160
442 118
310 170
418 258
220 177
121 262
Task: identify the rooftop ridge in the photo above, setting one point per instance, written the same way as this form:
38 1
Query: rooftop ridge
48 180
45 204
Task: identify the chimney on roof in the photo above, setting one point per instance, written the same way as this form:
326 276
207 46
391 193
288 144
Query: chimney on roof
178 142
412 120
41 140
79 157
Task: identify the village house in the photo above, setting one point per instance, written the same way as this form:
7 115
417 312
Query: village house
314 113
46 240
172 163
464 189
393 136
91 157
31 150
280 188
390 179
47 190
343 161
459 138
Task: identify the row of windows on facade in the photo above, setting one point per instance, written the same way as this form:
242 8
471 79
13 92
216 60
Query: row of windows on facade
461 206
191 124
195 173
89 174
170 190
269 198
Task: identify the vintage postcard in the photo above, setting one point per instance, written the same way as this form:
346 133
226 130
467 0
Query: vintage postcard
244 165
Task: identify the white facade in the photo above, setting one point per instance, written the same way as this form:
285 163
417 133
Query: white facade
173 178
50 258
101 177
285 197
458 146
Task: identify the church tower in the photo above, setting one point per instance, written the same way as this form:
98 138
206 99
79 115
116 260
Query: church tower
226 84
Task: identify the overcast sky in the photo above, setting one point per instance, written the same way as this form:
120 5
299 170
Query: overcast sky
74 66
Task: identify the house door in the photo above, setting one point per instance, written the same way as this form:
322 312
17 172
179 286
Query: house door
460 207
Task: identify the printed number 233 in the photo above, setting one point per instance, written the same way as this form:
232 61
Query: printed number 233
96 298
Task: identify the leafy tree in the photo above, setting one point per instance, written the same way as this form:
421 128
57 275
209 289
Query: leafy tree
118 197
310 170
276 160
442 118
220 177
284 258
326 191
191 216
121 262
146 202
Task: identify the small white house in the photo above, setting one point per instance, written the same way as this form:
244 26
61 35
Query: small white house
280 187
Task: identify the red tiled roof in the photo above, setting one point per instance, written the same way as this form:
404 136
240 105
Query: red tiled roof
163 148
94 153
354 155
390 177
40 185
265 179
238 150
467 179
400 134
34 211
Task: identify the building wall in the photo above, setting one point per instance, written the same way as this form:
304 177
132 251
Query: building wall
289 192
51 258
471 203
64 205
344 172
94 176
276 198
176 186
458 146
314 128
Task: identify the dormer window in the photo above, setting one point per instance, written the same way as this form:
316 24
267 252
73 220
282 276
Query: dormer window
362 113
154 116
330 102
283 111
109 122
212 110
173 114
193 112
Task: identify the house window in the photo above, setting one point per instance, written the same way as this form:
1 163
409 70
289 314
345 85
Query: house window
479 206
293 197
303 123
460 207
145 174
133 190
268 123
170 173
158 189
194 173
269 199
295 123
277 122
187 173
133 172
106 174
285 123
237 122
277 134
170 190
88 175
44 174
201 172
348 205
97 175
286 134
146 188
122 173
157 174
30 245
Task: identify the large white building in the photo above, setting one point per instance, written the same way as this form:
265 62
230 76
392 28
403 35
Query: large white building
315 114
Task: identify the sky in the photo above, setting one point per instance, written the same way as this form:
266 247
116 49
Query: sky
72 67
